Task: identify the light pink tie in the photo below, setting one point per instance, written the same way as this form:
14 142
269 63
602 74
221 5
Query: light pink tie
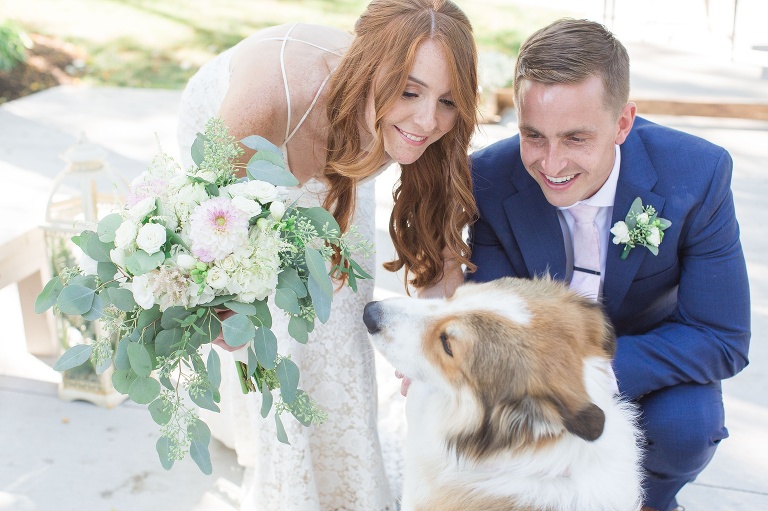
586 251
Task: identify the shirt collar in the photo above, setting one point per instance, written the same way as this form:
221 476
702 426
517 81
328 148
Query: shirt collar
606 195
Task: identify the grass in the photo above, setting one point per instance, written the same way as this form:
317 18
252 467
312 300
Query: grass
160 43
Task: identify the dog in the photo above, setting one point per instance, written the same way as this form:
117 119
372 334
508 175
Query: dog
512 404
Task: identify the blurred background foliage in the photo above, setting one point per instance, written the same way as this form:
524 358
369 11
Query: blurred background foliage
160 43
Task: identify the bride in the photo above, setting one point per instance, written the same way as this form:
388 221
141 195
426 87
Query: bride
342 108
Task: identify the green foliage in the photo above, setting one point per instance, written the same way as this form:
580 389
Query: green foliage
14 43
158 355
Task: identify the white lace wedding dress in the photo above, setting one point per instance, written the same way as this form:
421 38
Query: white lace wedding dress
334 466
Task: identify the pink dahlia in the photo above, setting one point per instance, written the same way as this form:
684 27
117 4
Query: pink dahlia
216 229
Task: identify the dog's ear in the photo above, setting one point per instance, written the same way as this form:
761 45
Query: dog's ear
587 423
529 419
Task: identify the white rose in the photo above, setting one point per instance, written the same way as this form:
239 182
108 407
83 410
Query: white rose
126 234
186 261
277 210
642 218
88 265
248 206
261 191
654 236
142 209
217 278
142 294
151 237
228 264
620 233
117 256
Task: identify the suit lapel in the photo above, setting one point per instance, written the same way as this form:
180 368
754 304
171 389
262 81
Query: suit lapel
537 232
636 179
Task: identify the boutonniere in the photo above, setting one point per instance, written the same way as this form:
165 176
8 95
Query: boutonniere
642 227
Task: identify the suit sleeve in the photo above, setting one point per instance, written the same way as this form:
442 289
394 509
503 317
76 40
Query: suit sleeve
707 338
488 254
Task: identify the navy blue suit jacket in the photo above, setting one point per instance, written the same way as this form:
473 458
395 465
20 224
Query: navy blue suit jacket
680 316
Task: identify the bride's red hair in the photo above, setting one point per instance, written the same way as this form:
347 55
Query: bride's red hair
433 199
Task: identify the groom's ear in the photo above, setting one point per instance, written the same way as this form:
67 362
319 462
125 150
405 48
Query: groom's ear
625 122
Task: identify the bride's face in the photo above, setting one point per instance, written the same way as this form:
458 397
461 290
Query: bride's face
425 110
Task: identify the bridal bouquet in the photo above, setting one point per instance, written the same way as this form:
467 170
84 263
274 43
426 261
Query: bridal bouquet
187 246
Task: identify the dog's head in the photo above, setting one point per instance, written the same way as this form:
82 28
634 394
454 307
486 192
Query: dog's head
518 348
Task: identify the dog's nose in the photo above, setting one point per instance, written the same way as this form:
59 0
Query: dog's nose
372 316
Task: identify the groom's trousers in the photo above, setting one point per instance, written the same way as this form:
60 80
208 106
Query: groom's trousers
683 425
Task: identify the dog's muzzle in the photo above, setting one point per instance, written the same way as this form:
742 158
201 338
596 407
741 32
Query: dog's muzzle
372 317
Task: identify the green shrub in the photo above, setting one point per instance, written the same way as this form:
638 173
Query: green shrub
13 45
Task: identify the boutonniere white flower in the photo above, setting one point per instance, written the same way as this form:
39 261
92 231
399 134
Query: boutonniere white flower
642 227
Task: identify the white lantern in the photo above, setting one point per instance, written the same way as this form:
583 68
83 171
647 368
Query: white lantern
83 193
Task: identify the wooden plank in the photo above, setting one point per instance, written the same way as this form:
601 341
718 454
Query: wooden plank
713 107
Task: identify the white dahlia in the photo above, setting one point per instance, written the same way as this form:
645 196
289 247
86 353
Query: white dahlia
217 228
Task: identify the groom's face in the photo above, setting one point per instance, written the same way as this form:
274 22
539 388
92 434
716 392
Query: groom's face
568 137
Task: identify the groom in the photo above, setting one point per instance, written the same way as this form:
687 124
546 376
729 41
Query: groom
548 199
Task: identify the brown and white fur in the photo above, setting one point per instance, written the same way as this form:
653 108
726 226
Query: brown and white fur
512 404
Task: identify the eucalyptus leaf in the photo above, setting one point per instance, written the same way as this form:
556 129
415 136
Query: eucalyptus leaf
263 316
266 399
289 278
263 170
49 295
288 375
297 328
318 271
271 157
218 300
198 447
320 300
108 226
213 366
122 298
147 317
88 281
73 357
173 316
241 308
253 362
97 249
167 341
238 330
287 300
258 143
103 366
121 354
97 310
141 361
303 418
106 271
198 149
359 269
164 446
122 379
207 328
204 399
75 299
144 390
140 262
265 346
160 412
281 435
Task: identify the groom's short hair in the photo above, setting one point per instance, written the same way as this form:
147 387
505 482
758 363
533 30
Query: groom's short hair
570 51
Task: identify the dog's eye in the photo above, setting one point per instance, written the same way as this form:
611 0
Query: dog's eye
446 344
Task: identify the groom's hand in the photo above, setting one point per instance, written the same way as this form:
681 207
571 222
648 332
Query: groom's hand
404 384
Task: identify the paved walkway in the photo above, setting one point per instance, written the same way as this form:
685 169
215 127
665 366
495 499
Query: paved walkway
66 456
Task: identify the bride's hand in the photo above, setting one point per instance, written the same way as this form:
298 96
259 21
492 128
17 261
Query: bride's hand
219 341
